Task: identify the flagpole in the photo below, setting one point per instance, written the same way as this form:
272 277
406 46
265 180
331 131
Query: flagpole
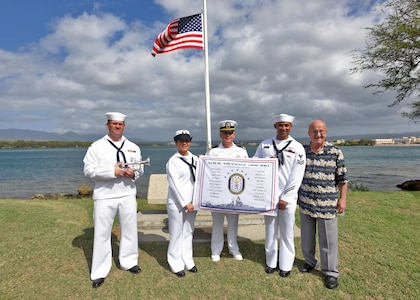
206 76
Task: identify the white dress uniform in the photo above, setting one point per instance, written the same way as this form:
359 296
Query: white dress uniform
290 175
112 195
181 223
217 236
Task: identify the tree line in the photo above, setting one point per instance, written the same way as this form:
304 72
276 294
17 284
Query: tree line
361 142
22 144
25 144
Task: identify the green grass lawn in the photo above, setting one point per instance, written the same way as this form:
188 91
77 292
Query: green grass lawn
46 248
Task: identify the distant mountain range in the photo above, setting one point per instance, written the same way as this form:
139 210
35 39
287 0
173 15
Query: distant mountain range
34 135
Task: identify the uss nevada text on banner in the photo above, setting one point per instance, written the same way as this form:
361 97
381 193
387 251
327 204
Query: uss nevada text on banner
237 185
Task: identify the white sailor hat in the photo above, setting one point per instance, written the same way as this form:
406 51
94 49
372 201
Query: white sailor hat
182 135
283 118
115 116
227 125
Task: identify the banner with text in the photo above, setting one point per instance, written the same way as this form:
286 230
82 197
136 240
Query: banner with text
238 185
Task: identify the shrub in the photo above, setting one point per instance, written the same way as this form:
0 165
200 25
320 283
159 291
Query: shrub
357 186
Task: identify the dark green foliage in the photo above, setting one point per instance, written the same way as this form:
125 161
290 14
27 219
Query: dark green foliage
393 51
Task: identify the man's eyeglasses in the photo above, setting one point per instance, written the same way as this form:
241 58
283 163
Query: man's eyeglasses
321 132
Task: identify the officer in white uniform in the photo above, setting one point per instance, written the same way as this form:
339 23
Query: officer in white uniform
226 148
114 192
292 160
180 171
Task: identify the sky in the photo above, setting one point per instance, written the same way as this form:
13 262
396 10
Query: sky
64 64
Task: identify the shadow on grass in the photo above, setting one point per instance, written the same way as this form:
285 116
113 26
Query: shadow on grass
85 242
252 251
201 246
315 272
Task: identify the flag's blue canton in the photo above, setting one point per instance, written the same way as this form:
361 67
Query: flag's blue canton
190 23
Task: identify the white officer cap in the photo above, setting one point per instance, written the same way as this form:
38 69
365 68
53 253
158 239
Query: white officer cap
115 116
227 125
283 118
182 135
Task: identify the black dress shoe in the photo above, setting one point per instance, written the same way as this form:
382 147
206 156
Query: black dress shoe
306 268
135 270
331 282
193 270
284 273
269 270
97 282
180 274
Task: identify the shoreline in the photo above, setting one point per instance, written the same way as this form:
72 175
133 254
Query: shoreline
33 144
397 145
83 193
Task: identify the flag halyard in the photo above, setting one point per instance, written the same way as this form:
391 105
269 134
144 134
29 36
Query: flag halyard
181 33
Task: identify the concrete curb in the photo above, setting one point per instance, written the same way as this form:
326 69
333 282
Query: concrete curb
153 227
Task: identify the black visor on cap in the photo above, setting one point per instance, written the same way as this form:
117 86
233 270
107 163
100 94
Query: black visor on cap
183 137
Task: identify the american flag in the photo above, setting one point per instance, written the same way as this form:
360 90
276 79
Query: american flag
181 33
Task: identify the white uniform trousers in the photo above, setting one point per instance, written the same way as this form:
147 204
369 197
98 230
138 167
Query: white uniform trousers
181 229
217 235
284 258
328 243
104 214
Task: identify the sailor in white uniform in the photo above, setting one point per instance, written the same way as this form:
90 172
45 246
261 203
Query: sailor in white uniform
226 148
292 160
114 192
180 171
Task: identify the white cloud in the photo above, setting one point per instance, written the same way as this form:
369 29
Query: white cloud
266 57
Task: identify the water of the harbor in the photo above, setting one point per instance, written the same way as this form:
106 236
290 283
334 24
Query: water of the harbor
25 172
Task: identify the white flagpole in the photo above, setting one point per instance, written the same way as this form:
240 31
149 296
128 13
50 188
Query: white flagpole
206 75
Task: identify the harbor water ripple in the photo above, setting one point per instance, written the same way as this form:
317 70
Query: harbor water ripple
25 172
